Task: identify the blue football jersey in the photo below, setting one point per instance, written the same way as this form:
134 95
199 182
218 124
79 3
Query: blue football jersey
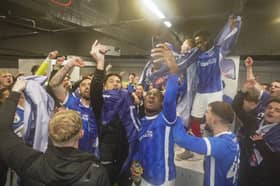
89 141
155 150
209 72
221 155
208 63
222 160
18 121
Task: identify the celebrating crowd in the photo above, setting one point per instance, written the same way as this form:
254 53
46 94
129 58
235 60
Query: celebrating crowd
98 132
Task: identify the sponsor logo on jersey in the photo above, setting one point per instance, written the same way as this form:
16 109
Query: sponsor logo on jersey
85 117
16 118
208 62
148 134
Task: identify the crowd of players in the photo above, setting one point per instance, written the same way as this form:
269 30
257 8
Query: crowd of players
103 131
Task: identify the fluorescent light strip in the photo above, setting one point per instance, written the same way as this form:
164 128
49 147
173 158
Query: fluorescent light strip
150 4
167 24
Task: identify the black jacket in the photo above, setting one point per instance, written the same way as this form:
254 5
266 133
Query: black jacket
112 137
58 166
249 121
269 169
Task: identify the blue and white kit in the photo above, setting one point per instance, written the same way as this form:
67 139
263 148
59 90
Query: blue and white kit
156 146
89 141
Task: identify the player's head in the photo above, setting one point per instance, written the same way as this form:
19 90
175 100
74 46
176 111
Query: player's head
65 128
131 77
275 89
6 79
139 90
66 82
272 111
113 81
251 99
84 88
153 102
219 115
187 45
202 40
34 69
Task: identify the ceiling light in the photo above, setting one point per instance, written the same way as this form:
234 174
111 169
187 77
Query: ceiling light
150 4
167 24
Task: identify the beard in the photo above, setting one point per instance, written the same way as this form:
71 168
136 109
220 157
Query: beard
85 96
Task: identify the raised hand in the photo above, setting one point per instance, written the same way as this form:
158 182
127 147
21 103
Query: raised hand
98 51
248 62
163 53
122 73
76 62
19 86
231 21
53 54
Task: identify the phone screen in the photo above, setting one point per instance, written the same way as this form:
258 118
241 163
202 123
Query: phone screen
155 40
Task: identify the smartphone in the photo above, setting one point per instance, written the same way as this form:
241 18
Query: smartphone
156 40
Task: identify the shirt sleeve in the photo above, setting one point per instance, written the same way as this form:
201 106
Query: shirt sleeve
13 151
264 96
210 146
227 37
169 100
96 91
69 100
192 143
215 147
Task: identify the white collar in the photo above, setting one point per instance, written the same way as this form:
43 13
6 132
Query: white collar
151 117
221 133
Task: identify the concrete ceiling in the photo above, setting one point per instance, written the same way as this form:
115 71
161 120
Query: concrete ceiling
34 27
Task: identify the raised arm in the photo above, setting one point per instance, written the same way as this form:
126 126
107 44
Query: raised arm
45 64
56 82
248 62
163 53
209 146
56 67
96 87
227 37
13 151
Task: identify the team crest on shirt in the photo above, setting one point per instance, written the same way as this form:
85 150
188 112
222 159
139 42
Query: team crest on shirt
85 117
16 118
208 62
148 134
210 53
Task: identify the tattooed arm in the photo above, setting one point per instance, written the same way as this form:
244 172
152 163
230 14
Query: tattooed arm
56 82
